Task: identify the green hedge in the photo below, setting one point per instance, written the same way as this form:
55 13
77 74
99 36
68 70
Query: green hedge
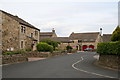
109 48
14 52
44 47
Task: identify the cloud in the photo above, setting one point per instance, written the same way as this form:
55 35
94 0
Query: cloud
66 16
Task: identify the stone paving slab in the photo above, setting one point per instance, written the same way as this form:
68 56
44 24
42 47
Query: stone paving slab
35 59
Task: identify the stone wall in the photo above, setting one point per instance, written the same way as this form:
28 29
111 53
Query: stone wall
0 30
10 32
110 61
37 54
26 37
10 59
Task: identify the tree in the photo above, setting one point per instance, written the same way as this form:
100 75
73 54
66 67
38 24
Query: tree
116 34
50 42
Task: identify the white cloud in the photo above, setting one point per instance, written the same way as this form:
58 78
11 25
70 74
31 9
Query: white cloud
60 0
66 17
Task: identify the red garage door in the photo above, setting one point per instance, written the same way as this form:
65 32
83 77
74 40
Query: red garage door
91 46
84 47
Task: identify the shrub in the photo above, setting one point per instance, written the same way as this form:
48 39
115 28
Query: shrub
69 47
109 48
8 53
50 42
14 52
44 47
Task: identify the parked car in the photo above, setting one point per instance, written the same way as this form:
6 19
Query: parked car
88 49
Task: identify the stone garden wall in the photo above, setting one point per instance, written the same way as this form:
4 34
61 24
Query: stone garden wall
110 61
9 59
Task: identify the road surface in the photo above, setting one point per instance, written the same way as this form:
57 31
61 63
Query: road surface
78 65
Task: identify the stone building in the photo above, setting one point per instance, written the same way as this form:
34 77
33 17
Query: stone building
0 32
81 41
44 35
106 37
17 34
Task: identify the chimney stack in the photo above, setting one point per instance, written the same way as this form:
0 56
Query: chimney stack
53 30
100 31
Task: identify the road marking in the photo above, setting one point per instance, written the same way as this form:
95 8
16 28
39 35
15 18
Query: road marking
73 65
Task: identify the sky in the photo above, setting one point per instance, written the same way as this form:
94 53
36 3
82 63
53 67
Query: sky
66 16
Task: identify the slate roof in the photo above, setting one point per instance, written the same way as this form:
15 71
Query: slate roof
21 21
106 37
85 37
61 39
44 35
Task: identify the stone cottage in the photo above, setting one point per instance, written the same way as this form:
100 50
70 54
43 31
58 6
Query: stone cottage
44 35
106 37
17 33
81 41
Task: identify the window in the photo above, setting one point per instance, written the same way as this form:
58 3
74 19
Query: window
85 40
22 44
36 32
23 29
91 39
79 41
31 35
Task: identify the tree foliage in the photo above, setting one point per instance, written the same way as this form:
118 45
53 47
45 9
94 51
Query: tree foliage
116 34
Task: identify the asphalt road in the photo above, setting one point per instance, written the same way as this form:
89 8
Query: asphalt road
79 65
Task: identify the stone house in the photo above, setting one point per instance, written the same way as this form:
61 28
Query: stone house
81 41
44 35
106 37
17 33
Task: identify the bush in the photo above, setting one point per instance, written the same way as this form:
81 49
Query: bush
44 47
8 53
50 42
109 48
69 47
14 52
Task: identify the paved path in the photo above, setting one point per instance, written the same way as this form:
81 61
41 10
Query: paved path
79 65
